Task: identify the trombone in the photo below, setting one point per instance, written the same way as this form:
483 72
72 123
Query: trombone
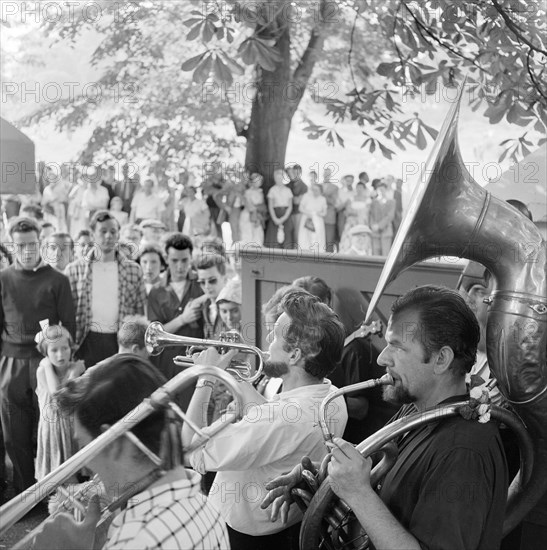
156 339
16 508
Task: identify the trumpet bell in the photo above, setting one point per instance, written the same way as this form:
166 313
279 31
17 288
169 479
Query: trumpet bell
153 332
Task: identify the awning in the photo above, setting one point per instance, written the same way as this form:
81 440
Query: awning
17 161
526 181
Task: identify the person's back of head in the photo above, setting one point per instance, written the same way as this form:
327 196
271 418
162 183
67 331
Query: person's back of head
271 310
316 286
445 319
131 335
314 329
110 390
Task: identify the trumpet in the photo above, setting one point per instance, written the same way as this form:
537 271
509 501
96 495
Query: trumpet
156 339
16 508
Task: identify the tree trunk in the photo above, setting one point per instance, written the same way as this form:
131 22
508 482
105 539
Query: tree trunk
270 124
279 93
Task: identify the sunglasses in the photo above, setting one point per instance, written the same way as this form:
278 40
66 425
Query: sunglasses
211 281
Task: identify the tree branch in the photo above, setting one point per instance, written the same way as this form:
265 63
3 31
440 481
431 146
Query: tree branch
350 53
514 28
304 70
444 45
533 78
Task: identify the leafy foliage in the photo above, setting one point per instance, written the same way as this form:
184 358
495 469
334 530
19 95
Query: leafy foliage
382 51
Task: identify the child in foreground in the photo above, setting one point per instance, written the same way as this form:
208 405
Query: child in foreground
55 441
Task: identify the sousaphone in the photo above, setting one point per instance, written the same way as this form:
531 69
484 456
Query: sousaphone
451 215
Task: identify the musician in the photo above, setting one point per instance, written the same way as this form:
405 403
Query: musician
475 285
170 512
305 345
448 486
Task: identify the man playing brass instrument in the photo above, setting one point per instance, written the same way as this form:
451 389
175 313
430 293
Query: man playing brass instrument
305 345
448 486
170 512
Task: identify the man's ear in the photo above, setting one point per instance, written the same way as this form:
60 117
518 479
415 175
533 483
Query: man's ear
443 360
295 356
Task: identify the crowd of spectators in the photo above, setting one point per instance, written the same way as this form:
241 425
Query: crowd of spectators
350 216
93 287
90 250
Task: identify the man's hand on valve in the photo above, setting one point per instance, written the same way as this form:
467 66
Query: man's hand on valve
211 357
279 490
349 471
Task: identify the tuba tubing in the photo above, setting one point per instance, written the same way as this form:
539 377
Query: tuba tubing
17 507
451 214
322 500
385 380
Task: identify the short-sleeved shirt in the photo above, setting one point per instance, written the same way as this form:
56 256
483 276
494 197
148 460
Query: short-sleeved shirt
147 206
448 487
280 196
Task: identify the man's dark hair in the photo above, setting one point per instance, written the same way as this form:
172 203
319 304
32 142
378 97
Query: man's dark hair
316 286
363 176
178 241
316 330
102 216
208 261
445 320
22 224
111 389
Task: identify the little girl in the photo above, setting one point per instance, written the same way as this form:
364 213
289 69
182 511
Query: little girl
55 441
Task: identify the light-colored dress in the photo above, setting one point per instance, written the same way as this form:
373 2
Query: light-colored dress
252 217
198 217
55 443
280 198
357 213
311 233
